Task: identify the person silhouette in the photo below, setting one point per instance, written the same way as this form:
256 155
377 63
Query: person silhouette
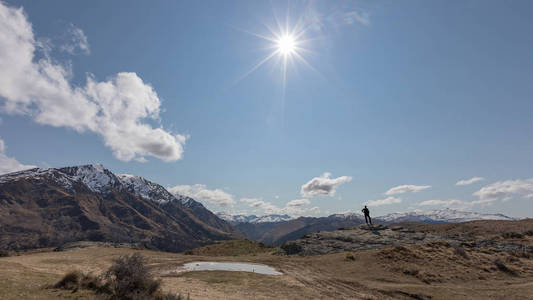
367 215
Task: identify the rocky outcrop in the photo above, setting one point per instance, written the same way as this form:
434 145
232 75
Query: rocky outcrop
366 237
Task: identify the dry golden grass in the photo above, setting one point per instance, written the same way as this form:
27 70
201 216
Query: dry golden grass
231 248
402 272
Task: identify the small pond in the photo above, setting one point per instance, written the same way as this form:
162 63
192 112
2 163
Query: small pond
228 266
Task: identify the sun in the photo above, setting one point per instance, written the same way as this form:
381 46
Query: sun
286 45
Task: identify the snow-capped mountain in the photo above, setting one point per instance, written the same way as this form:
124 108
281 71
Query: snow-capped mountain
145 188
99 180
440 216
348 216
253 219
95 177
89 202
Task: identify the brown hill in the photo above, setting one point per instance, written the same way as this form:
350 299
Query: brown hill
49 207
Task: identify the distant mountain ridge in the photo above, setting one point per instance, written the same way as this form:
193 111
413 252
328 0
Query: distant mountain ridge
272 218
275 233
47 207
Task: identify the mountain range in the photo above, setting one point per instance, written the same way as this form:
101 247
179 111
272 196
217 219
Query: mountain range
52 206
49 207
274 230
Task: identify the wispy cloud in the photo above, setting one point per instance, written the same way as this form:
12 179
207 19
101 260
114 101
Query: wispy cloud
406 189
386 201
298 202
323 185
76 41
116 109
469 181
451 203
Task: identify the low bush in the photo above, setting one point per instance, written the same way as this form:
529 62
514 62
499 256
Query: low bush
4 253
412 272
77 280
349 256
291 248
502 267
127 279
512 235
461 252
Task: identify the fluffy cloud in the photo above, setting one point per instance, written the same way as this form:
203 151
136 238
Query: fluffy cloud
386 201
116 109
202 193
504 190
293 207
469 181
298 202
406 189
10 164
323 185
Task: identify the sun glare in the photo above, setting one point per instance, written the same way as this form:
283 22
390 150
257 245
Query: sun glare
287 48
286 44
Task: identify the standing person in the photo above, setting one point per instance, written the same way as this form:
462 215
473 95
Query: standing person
367 215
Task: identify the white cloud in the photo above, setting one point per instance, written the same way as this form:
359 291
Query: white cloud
323 185
504 190
469 181
202 193
76 40
386 201
249 200
298 202
357 16
116 109
406 189
314 209
293 207
451 203
10 164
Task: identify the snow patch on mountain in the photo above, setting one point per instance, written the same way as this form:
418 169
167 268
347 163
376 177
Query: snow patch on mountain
443 215
99 179
95 176
273 218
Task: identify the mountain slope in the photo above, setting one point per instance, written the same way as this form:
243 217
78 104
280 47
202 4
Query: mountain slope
48 207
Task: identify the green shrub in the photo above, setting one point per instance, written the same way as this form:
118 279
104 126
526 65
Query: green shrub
4 253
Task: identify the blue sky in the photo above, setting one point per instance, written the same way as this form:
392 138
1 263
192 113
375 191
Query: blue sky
415 95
